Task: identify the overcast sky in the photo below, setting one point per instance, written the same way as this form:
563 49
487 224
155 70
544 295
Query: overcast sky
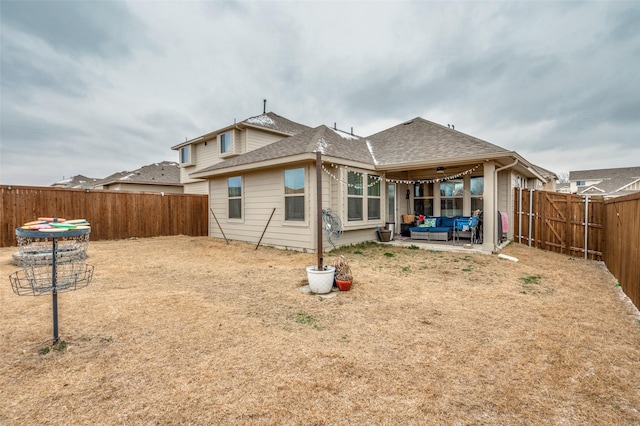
98 87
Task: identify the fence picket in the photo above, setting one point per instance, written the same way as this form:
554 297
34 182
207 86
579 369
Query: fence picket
589 227
112 214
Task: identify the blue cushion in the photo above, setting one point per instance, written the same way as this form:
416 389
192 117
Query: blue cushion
427 229
447 221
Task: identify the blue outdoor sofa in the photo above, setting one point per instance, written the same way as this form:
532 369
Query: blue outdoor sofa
443 228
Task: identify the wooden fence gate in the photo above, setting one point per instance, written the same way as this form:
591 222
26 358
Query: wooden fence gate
563 223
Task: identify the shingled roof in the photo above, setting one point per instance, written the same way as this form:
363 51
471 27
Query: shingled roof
273 121
269 120
422 140
611 181
414 143
164 173
76 182
331 142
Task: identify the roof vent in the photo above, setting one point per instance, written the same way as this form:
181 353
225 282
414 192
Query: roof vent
408 122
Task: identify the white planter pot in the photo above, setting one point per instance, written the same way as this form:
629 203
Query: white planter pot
320 282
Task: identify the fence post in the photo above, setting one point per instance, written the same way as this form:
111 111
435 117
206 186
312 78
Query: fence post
520 215
530 216
586 226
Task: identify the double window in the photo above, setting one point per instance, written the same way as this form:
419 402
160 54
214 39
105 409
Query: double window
294 194
356 196
234 187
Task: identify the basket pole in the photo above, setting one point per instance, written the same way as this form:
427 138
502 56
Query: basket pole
54 279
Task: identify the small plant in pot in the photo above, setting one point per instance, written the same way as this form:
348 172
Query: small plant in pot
343 273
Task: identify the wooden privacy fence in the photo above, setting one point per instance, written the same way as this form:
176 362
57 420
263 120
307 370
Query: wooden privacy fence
564 223
112 214
622 243
584 226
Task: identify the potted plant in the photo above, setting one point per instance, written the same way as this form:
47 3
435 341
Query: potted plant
344 278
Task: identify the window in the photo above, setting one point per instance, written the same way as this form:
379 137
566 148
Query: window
358 200
580 183
294 194
423 199
235 197
354 196
451 195
185 155
226 143
477 193
373 197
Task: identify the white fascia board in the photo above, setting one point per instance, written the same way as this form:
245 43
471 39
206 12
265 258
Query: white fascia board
447 162
185 143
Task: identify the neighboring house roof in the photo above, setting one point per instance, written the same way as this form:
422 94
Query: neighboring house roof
269 120
611 181
563 187
164 173
331 142
76 182
547 174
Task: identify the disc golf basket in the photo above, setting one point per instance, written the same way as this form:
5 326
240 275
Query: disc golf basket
53 261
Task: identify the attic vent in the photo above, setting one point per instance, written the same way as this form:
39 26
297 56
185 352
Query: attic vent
408 122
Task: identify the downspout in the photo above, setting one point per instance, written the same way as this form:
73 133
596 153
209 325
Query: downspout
495 200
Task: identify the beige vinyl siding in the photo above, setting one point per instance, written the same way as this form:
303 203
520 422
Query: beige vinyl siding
196 187
206 155
505 196
261 193
357 236
255 139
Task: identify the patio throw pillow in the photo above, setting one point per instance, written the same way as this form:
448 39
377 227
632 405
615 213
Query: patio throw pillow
430 222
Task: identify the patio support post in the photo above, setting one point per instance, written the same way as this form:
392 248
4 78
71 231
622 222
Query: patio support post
319 208
490 213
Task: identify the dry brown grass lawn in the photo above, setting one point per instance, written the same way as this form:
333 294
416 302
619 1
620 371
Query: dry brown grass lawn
183 330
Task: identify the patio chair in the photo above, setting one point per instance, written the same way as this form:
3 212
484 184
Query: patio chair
467 224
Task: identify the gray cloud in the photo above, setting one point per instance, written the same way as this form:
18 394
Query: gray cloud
115 84
74 28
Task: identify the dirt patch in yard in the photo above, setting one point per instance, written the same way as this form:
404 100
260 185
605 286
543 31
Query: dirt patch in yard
183 330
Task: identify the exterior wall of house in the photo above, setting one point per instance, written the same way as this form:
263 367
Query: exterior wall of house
262 192
255 139
202 156
506 183
197 187
587 182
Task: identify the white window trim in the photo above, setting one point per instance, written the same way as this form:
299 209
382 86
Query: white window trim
190 151
305 221
365 222
232 150
241 198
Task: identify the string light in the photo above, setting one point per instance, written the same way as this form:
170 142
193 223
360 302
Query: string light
378 179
